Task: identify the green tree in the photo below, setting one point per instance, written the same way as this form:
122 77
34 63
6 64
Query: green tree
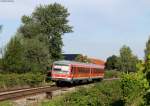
127 61
13 56
111 62
40 39
36 55
134 87
50 22
147 49
147 73
25 55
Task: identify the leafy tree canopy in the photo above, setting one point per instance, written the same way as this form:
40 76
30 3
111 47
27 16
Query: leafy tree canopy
38 41
111 62
50 22
147 49
127 60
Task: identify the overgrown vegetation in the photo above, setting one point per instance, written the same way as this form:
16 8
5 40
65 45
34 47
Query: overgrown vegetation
106 93
6 103
134 87
112 74
20 80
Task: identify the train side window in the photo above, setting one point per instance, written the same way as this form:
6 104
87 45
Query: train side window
75 69
79 70
83 69
87 70
72 70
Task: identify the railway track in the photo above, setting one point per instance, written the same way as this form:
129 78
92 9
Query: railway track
25 92
19 93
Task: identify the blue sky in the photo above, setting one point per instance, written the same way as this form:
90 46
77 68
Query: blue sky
101 27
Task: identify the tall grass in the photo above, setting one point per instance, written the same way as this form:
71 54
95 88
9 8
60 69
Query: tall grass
19 80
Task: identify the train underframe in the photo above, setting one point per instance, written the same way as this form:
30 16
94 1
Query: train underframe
64 82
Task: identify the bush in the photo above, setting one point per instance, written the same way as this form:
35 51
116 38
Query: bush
6 103
19 80
134 86
102 94
112 74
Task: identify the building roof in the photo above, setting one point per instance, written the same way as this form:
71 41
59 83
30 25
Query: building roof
97 61
71 57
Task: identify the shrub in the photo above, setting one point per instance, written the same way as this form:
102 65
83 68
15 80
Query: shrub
112 74
16 80
134 86
6 103
101 94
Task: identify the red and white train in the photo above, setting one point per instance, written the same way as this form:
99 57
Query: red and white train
75 72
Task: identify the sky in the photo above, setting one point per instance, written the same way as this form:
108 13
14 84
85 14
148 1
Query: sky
101 27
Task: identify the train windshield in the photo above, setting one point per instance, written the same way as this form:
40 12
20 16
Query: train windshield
61 68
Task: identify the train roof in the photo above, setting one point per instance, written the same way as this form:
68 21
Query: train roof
66 62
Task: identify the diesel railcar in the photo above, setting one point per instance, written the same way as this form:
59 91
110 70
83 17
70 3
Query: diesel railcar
75 72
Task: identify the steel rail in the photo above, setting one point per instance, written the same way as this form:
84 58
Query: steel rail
25 92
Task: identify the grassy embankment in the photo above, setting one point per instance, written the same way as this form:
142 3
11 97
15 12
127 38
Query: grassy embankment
106 93
33 79
21 80
103 93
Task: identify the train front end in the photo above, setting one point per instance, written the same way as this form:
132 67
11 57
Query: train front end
61 73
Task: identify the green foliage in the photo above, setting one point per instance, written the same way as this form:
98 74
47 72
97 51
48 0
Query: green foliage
36 55
134 86
111 63
147 49
38 41
112 74
19 80
13 57
127 61
6 103
22 55
50 22
99 95
81 58
147 73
